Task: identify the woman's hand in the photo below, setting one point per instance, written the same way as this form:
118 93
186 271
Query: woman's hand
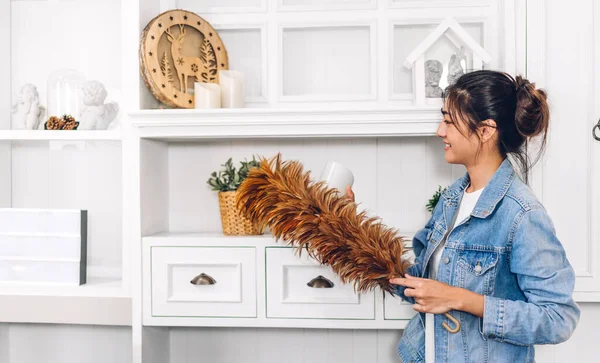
431 296
436 297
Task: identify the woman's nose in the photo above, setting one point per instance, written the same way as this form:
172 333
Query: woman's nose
441 130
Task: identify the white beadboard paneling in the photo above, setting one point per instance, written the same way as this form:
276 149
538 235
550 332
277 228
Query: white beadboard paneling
325 61
340 346
360 156
394 177
314 345
75 175
439 172
5 71
407 36
245 53
364 345
68 344
5 174
94 49
154 174
409 172
387 341
155 345
277 345
4 343
193 206
407 191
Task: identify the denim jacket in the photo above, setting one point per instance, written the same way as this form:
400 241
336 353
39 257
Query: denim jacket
506 250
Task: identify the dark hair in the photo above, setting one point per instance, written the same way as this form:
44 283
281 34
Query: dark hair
519 109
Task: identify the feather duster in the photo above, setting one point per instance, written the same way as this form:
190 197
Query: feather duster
311 217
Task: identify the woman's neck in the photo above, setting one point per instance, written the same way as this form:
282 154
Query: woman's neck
482 171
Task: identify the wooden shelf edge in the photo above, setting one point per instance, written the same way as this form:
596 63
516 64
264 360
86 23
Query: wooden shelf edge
114 311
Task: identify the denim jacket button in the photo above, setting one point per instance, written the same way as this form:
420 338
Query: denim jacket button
478 268
446 260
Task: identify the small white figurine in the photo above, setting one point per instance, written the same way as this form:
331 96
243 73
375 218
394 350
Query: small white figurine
27 111
456 66
96 115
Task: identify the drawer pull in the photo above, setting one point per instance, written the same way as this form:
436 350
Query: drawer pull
203 279
320 282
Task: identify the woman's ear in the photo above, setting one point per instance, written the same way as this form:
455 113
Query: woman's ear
487 130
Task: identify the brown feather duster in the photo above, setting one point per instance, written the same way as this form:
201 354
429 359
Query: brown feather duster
308 215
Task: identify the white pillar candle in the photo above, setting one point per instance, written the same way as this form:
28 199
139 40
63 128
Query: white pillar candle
207 95
232 89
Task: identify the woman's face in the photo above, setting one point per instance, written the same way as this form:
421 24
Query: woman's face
460 146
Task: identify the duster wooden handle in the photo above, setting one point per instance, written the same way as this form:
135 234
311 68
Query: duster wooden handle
456 328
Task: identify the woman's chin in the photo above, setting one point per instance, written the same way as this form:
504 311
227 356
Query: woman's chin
450 159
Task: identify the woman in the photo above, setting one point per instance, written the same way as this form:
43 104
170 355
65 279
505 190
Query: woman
489 254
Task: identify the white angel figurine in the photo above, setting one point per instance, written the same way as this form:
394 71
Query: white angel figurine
96 115
27 111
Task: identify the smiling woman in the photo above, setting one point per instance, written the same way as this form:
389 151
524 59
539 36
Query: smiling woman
495 264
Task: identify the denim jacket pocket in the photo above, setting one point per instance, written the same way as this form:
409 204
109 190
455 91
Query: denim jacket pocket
476 270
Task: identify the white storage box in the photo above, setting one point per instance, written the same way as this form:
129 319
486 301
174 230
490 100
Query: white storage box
43 246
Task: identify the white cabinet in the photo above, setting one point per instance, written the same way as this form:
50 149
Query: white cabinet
208 279
565 60
203 281
396 309
300 287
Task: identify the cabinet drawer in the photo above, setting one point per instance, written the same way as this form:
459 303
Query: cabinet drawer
397 309
204 281
290 296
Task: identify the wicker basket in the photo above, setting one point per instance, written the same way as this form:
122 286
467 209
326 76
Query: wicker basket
234 224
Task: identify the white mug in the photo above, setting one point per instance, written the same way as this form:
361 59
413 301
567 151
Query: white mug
336 175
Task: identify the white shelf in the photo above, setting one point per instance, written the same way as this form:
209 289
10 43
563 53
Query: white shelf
98 302
95 287
173 124
41 135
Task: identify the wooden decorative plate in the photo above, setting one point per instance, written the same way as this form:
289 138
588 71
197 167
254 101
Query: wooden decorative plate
178 48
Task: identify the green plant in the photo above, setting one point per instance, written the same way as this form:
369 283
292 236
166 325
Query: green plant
434 199
230 178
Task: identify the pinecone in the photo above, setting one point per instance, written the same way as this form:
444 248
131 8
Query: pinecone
68 118
70 123
54 123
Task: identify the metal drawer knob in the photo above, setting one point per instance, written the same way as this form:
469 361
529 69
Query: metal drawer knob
596 131
320 282
203 279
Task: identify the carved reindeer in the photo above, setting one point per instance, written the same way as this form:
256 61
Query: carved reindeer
186 66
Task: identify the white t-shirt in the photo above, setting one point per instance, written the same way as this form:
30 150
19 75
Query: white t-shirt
468 202
464 210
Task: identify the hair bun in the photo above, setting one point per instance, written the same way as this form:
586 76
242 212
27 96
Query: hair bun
532 113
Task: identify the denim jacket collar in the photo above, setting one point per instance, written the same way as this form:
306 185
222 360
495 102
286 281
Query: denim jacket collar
492 194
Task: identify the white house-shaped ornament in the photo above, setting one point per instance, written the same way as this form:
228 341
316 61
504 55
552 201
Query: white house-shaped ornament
459 37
